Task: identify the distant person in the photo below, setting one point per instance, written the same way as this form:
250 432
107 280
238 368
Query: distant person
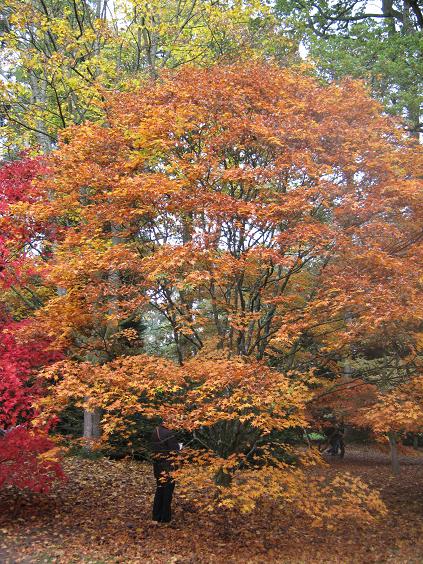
164 446
336 441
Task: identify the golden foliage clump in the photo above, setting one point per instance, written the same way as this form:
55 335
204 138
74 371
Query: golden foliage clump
235 411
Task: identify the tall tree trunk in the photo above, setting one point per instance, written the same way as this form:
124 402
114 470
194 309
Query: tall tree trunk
394 452
39 99
92 419
92 425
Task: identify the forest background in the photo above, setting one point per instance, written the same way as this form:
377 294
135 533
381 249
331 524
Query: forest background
211 212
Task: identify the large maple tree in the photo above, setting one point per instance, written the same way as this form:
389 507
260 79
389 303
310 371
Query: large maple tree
265 217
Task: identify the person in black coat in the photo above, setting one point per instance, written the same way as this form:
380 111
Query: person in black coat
164 446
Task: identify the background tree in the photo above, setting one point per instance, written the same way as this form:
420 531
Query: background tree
52 64
28 458
58 56
379 42
394 413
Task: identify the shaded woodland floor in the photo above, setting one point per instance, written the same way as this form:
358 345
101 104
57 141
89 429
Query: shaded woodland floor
102 515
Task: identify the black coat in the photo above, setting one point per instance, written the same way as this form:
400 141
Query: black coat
164 440
164 445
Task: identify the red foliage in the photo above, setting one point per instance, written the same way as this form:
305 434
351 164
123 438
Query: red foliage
15 178
26 453
18 360
28 460
19 232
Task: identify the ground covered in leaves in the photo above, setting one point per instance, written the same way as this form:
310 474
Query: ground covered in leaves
102 515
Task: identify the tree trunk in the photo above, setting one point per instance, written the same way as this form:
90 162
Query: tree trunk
92 425
92 428
394 453
39 98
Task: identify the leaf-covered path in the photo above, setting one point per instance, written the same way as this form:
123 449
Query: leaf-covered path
102 514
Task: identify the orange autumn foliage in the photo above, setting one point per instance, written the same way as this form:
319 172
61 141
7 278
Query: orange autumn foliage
397 411
279 205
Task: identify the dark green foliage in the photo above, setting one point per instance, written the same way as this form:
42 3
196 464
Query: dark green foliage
379 43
